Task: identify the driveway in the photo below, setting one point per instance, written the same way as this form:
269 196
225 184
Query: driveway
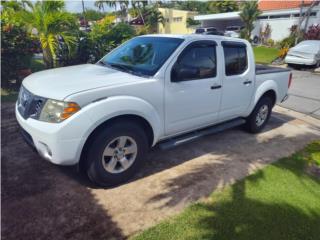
304 94
44 201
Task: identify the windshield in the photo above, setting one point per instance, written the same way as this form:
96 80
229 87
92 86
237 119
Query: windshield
142 55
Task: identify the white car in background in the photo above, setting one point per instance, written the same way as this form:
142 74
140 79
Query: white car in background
233 31
304 53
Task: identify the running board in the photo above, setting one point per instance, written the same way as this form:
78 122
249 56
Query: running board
189 137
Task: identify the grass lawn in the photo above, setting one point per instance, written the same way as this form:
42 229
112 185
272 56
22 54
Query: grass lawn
280 201
265 55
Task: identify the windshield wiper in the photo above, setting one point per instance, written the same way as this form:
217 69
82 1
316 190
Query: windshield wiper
121 66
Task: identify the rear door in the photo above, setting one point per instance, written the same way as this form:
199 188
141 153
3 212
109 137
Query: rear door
238 81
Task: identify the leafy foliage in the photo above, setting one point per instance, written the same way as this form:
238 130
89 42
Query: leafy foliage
192 22
313 33
103 37
223 6
203 7
198 6
17 46
91 15
54 27
283 52
153 17
249 13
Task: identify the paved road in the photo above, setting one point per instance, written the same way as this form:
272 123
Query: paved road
304 94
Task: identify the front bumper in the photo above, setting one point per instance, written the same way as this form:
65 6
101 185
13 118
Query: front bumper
59 143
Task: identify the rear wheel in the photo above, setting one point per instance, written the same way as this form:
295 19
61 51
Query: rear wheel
116 153
260 115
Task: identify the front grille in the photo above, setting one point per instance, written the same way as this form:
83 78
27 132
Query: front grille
29 105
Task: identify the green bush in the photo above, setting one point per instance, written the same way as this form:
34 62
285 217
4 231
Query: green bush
16 52
270 42
288 42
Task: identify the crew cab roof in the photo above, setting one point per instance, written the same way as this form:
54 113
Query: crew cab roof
195 37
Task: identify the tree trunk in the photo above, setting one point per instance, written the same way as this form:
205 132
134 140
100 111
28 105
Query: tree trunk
47 57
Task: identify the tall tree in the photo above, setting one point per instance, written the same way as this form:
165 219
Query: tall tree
100 4
53 26
123 7
153 18
249 14
223 6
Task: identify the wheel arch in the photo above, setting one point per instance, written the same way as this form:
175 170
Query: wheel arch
135 119
267 88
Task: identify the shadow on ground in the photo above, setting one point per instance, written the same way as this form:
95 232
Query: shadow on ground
39 201
43 201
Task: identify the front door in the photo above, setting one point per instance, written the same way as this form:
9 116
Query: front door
192 88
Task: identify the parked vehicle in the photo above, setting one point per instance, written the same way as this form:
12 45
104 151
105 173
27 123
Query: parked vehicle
304 53
153 89
233 31
208 31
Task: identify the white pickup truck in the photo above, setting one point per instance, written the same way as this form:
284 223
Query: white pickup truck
153 89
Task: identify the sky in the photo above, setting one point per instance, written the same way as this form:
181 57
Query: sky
76 5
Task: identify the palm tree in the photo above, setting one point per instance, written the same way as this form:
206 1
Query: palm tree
53 26
100 4
153 18
249 13
123 4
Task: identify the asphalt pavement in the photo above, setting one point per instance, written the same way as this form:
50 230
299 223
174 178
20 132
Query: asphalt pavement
304 93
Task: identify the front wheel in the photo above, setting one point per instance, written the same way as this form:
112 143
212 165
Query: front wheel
260 115
116 153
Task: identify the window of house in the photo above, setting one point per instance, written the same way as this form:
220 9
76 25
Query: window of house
236 60
312 14
280 16
177 19
197 61
263 17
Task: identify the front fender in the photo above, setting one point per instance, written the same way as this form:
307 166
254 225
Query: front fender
110 107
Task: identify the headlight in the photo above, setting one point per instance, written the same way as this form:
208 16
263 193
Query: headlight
56 111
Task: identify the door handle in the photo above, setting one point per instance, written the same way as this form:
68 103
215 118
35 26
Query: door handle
215 87
247 82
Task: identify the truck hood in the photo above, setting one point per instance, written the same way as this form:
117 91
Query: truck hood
61 82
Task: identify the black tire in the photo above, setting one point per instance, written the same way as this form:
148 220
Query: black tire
95 169
295 66
251 122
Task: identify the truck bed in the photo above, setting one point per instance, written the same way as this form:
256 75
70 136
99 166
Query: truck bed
264 69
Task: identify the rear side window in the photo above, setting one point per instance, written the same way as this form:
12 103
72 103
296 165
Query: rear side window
236 60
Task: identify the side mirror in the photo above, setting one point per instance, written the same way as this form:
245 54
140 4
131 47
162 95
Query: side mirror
180 73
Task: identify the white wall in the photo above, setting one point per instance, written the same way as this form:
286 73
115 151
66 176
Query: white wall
280 28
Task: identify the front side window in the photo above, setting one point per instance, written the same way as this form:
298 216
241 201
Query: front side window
142 55
235 56
197 61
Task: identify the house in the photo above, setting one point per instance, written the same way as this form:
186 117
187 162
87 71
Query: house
175 21
280 15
